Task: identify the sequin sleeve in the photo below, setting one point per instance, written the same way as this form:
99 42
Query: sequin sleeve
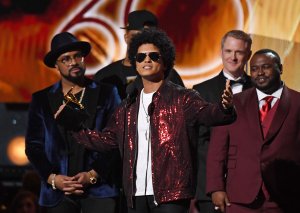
199 111
104 140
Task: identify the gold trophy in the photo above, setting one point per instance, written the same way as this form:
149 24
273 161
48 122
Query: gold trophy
70 98
73 116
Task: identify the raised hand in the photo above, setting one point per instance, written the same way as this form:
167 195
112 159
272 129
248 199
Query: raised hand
227 96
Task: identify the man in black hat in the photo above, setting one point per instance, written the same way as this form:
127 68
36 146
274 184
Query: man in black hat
73 179
121 73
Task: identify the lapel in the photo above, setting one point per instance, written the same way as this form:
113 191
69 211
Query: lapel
252 114
218 87
55 97
280 114
221 81
90 101
248 83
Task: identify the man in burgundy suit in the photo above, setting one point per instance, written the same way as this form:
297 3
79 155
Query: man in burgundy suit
266 130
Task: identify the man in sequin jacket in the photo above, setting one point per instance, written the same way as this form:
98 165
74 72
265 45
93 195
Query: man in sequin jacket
154 136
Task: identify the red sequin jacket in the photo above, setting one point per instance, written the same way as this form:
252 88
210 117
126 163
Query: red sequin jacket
173 111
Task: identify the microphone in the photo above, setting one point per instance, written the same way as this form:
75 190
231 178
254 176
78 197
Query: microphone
132 90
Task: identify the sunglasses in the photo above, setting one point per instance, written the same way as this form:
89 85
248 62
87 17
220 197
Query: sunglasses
154 56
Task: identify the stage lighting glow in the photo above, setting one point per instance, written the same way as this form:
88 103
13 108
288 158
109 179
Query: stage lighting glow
16 151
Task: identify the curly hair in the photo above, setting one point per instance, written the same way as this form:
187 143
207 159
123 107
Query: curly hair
160 40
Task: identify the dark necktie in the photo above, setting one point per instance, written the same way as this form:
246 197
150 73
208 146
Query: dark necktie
265 108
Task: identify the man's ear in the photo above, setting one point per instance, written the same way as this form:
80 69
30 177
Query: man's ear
126 38
57 68
280 68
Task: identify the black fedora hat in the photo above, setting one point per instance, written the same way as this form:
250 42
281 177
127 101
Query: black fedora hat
65 42
139 18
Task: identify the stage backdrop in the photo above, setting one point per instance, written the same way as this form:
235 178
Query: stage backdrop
196 27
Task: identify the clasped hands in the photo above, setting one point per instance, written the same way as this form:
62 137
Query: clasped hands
71 185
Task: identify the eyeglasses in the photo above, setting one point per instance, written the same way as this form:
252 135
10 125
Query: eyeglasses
67 60
154 56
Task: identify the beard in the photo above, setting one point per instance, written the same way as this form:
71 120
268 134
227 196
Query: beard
74 77
270 85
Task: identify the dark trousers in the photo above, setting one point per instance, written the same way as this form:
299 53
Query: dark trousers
205 207
145 204
85 205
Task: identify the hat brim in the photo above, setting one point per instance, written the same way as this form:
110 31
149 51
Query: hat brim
139 27
131 28
51 57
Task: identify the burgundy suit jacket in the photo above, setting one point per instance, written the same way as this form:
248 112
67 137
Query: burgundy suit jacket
238 153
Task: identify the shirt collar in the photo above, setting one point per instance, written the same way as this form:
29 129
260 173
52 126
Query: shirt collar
230 77
277 94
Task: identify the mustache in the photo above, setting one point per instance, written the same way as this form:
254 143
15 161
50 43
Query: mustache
262 76
76 67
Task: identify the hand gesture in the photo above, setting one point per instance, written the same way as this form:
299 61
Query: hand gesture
227 96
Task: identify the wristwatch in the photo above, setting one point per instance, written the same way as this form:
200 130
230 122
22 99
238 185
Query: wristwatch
93 179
